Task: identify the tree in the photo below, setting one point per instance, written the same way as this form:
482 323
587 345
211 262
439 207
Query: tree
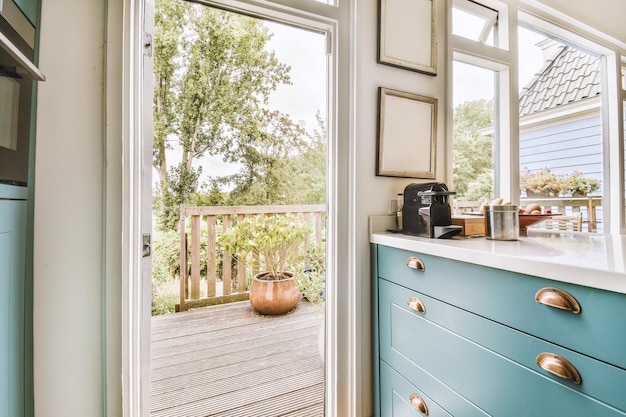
472 152
212 77
265 158
307 184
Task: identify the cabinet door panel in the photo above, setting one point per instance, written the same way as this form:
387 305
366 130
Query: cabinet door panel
490 365
397 391
509 298
12 264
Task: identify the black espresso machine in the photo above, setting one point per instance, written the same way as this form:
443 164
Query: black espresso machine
426 211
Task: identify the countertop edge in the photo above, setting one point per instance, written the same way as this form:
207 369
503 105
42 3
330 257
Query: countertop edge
462 250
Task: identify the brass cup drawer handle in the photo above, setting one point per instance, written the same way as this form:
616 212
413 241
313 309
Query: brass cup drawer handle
557 298
415 263
559 366
416 304
418 404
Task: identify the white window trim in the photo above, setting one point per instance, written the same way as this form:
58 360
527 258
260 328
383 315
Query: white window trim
489 15
503 61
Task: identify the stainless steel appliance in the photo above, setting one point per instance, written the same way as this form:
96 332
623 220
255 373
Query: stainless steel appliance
426 211
17 75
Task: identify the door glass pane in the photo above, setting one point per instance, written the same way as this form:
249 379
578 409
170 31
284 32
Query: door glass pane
240 140
473 127
561 141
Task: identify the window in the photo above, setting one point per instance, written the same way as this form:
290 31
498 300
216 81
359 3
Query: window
551 117
560 117
475 22
473 149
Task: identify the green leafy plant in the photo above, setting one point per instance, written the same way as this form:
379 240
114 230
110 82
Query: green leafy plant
312 276
277 241
540 182
576 183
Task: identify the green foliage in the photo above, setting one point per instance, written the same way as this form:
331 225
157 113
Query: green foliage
165 256
277 241
311 278
546 182
543 181
576 183
307 182
165 296
472 152
212 77
481 187
181 188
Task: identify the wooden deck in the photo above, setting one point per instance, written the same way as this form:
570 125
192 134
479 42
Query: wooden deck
229 361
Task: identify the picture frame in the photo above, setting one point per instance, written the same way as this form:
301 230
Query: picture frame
407 35
407 135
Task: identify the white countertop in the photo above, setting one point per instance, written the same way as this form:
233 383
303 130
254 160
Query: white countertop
589 259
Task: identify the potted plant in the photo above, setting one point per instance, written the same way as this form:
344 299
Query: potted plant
540 184
577 185
276 241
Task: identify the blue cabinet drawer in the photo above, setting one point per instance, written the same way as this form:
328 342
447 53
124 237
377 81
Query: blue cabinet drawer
488 364
509 298
398 394
392 383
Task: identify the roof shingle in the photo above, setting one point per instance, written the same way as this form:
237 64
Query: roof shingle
571 76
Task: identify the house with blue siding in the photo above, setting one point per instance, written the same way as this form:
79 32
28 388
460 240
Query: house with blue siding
560 119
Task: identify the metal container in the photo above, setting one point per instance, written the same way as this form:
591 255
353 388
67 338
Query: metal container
502 222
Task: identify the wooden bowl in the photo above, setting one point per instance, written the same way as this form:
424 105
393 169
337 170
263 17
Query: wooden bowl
526 220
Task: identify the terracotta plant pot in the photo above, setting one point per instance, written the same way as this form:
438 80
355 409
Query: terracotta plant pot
274 296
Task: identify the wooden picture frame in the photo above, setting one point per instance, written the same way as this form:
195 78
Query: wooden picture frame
407 135
407 35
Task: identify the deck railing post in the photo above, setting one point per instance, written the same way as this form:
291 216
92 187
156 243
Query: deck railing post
195 257
211 251
183 263
227 261
241 266
591 214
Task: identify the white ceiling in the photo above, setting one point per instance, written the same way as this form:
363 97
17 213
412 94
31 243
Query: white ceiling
608 16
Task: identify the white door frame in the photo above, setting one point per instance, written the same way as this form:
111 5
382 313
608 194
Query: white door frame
343 359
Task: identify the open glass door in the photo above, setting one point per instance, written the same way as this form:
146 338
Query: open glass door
240 130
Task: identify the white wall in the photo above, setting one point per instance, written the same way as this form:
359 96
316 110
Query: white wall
77 253
68 270
373 193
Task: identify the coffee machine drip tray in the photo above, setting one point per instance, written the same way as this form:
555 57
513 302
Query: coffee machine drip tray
446 232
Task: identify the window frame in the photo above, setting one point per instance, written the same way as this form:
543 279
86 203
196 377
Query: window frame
505 60
489 15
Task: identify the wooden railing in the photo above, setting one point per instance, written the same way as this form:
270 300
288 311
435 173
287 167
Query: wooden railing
585 206
234 275
572 206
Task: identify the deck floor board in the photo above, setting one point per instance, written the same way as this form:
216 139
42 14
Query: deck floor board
229 361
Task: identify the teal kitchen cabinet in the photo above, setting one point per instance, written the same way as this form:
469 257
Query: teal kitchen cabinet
471 340
12 295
